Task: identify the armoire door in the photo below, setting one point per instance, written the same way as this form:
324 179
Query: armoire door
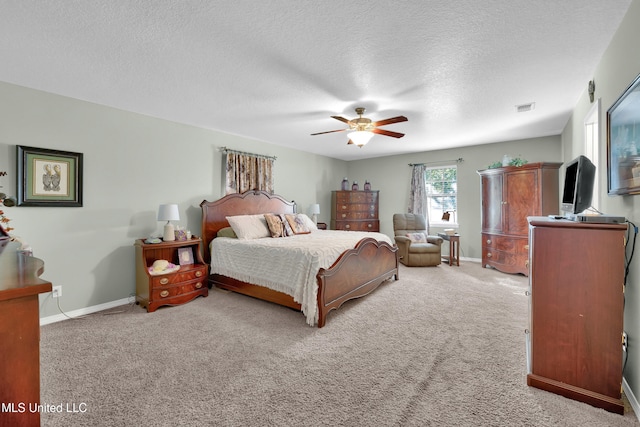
522 199
492 203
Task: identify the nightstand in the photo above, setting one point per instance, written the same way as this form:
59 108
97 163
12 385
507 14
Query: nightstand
322 226
179 287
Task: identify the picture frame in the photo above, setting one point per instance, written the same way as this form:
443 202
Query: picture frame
185 256
623 142
49 177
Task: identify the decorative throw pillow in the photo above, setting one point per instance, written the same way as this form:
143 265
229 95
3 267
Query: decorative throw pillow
417 237
285 224
275 225
227 232
297 224
249 227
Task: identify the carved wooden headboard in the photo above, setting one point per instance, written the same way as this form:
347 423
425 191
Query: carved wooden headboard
214 214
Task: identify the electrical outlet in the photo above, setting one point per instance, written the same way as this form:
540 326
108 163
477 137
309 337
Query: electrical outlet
625 342
56 292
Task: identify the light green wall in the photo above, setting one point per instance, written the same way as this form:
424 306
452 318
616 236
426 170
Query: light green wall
132 163
392 176
619 66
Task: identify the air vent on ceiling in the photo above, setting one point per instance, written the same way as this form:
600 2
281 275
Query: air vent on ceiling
525 107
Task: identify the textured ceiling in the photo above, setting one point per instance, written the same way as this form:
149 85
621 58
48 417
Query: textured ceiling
276 70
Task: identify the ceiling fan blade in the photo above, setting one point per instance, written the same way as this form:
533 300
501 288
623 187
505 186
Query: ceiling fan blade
329 131
342 119
390 121
388 133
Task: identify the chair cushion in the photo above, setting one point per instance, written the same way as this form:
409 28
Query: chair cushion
423 248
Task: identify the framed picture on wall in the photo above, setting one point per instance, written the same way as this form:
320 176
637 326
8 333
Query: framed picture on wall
49 177
623 142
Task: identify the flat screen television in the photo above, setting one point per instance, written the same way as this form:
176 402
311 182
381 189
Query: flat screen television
577 193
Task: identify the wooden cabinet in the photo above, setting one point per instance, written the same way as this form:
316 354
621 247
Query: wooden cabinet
509 195
179 287
20 336
355 211
576 310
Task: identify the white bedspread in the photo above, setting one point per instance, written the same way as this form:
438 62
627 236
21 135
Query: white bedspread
287 264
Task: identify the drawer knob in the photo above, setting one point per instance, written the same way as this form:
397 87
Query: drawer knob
526 247
344 215
526 263
164 293
344 207
347 226
369 225
489 255
164 281
198 273
198 285
488 241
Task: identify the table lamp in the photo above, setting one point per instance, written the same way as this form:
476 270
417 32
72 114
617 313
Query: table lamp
168 213
315 211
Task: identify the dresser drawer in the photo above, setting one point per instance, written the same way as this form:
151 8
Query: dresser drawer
357 215
356 197
505 243
364 207
357 225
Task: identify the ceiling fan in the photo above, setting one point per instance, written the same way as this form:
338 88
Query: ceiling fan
362 129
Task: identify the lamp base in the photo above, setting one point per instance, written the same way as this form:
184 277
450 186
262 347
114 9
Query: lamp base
169 234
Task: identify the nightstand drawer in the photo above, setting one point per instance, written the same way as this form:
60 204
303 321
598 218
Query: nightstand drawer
177 290
178 276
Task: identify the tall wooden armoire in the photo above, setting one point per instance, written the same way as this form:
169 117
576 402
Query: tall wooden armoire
509 195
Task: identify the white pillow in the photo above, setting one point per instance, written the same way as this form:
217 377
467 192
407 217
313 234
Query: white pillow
249 227
308 222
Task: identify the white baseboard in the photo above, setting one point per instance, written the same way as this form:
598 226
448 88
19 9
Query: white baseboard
631 398
84 311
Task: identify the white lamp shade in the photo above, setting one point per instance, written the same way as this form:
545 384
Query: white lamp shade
314 209
361 137
168 213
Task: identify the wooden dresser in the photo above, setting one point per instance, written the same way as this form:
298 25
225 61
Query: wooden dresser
20 335
509 195
355 211
576 290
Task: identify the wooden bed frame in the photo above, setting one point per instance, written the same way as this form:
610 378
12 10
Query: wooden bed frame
357 272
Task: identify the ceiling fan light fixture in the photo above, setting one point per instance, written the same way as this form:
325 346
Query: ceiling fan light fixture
361 137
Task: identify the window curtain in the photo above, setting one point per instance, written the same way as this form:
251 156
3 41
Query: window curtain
418 195
248 172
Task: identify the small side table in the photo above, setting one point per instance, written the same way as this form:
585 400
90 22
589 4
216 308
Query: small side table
454 247
322 226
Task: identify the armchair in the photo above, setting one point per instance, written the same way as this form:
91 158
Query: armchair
415 250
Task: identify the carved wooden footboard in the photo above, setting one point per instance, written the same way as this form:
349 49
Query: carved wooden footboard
356 273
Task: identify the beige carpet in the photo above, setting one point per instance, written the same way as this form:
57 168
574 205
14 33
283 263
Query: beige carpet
442 346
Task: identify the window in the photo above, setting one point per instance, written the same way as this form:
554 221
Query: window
442 194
